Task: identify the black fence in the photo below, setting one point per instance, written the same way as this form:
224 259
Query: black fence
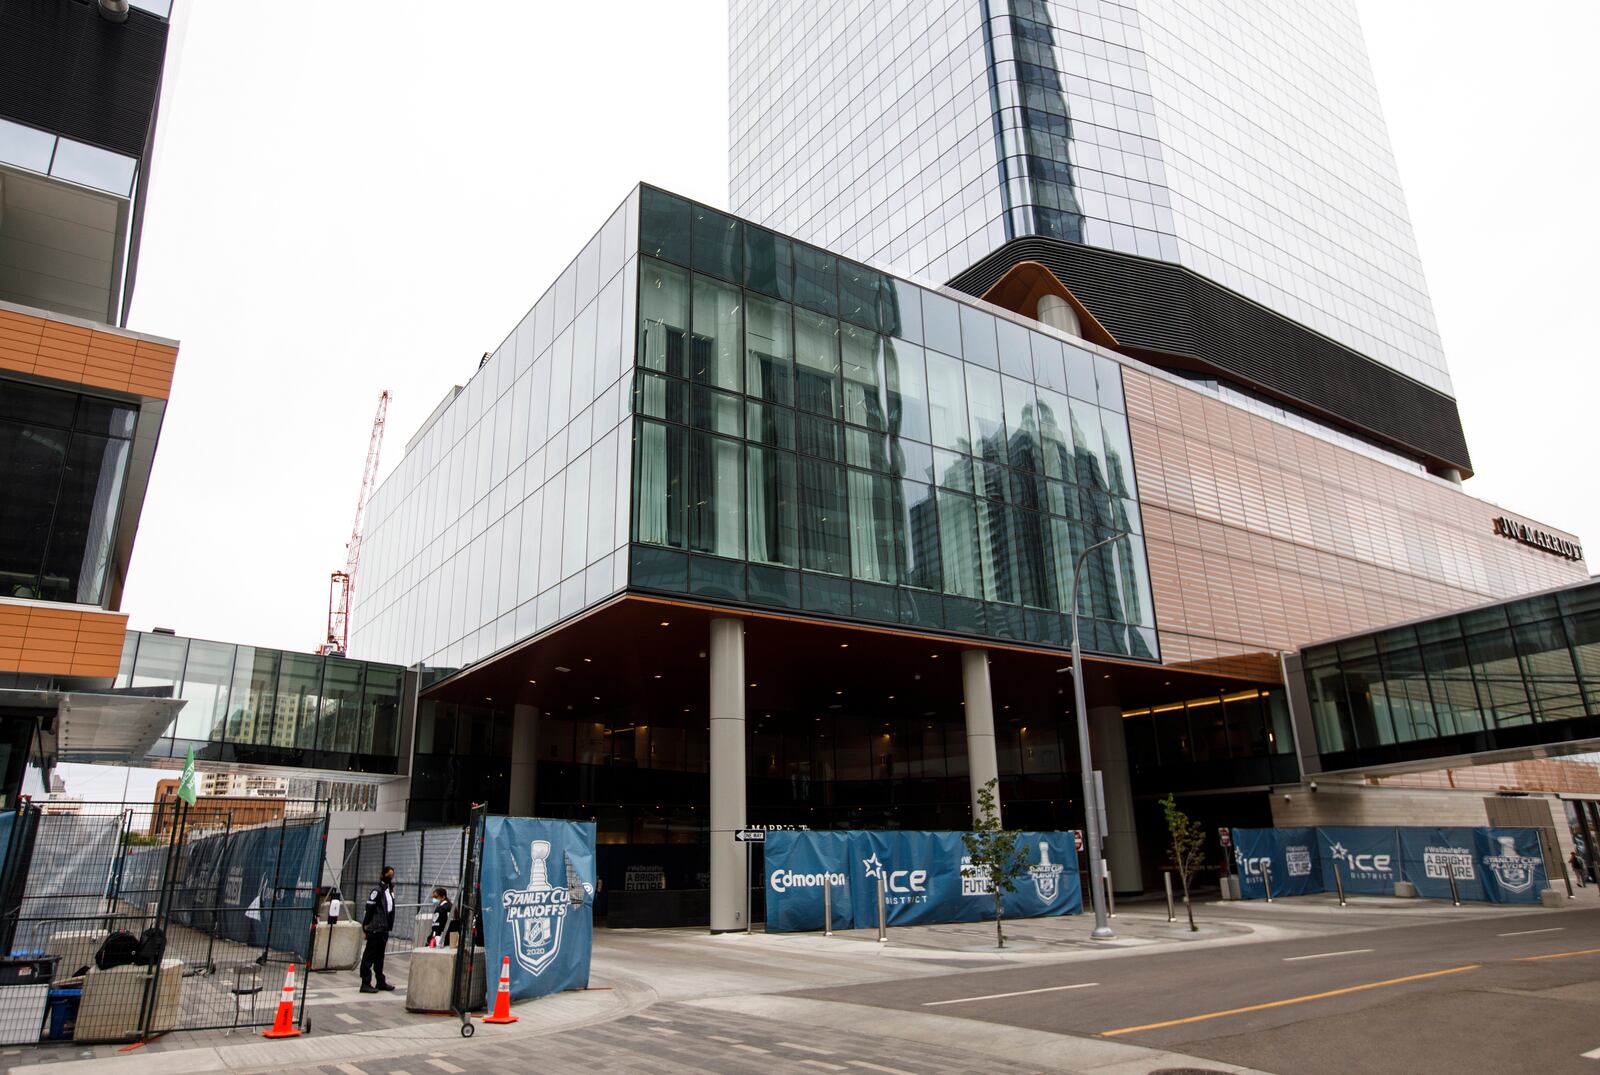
423 859
123 921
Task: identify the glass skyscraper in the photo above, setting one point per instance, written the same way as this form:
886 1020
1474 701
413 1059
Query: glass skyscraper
1243 141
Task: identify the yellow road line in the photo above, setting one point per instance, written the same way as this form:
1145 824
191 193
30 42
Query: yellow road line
1560 955
1290 1000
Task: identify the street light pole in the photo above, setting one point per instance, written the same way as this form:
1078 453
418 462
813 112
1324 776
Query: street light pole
1101 931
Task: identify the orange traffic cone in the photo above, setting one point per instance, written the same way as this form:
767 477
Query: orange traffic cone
283 1026
502 996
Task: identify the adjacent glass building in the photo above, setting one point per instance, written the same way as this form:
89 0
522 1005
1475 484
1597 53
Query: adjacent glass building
1243 142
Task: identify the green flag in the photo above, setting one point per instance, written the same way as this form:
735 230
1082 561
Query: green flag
186 785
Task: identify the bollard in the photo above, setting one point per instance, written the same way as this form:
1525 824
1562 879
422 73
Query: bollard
1111 897
1172 913
1338 881
1566 875
1266 878
883 934
827 905
1455 894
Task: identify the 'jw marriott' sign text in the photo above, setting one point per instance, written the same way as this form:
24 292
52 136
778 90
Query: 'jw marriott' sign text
1506 526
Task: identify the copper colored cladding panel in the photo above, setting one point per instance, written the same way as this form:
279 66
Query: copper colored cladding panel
61 641
80 355
1261 537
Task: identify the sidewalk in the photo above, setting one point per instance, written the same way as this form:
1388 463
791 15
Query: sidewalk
649 985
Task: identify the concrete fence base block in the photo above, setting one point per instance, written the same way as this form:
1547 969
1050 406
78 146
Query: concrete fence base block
423 929
1230 888
75 947
336 947
428 984
112 1000
1551 897
1405 890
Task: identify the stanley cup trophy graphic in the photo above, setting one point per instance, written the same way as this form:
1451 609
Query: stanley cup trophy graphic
1046 875
536 913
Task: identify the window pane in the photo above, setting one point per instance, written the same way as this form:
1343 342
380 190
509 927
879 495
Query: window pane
824 543
907 388
864 402
1088 445
714 350
768 262
769 349
663 317
716 243
251 697
32 458
1054 418
716 510
1022 432
207 675
958 545
816 341
299 688
664 225
658 515
874 527
978 338
988 427
815 280
773 520
947 402
919 536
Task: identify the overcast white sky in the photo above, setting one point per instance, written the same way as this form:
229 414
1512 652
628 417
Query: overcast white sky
352 197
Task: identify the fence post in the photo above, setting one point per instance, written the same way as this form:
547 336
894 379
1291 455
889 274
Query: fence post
1455 894
827 905
152 984
1266 877
1111 897
882 912
1338 881
1172 913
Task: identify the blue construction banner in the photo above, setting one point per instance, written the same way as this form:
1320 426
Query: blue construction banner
1367 858
1428 856
926 879
538 889
1290 854
798 865
1512 864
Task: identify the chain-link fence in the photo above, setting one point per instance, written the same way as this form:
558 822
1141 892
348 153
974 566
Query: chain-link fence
122 921
423 859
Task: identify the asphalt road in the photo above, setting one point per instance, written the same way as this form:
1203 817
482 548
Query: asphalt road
1501 994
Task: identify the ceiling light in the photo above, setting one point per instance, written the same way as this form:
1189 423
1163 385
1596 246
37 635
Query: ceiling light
562 668
587 661
755 684
597 697
533 681
664 623
844 645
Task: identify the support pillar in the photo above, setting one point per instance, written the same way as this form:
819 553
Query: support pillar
982 765
1110 745
522 799
727 774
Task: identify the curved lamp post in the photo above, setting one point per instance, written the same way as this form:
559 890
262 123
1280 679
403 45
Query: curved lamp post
1102 931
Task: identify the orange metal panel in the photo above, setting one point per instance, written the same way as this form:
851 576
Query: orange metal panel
103 359
60 641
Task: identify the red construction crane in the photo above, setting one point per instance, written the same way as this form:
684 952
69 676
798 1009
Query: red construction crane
342 584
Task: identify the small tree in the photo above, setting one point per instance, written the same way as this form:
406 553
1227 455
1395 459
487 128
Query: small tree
1187 851
995 855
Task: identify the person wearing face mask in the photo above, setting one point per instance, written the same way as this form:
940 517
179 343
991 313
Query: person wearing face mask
377 922
442 909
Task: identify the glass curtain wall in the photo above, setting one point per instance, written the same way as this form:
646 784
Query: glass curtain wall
248 704
814 434
64 457
1524 672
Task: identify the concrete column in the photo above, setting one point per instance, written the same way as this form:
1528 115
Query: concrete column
727 774
524 761
982 765
1110 746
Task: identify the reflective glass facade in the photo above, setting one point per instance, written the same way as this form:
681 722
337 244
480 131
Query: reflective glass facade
816 435
509 508
1244 141
64 457
260 706
1513 675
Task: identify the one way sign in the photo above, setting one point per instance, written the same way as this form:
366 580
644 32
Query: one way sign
750 836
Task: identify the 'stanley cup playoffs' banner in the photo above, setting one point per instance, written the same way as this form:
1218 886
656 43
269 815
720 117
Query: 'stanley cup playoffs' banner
538 903
926 879
1491 865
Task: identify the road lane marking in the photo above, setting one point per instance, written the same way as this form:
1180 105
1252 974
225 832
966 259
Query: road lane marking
1592 1054
446 1066
997 996
352 1020
878 1067
1530 932
1560 955
751 1049
823 1065
1327 955
806 1048
725 1041
1290 1000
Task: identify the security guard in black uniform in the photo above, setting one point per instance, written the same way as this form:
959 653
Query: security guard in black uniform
377 923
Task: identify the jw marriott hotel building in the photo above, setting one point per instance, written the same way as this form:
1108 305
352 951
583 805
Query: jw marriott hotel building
771 516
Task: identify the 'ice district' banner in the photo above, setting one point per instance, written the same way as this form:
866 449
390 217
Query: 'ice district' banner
925 874
538 903
1491 865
